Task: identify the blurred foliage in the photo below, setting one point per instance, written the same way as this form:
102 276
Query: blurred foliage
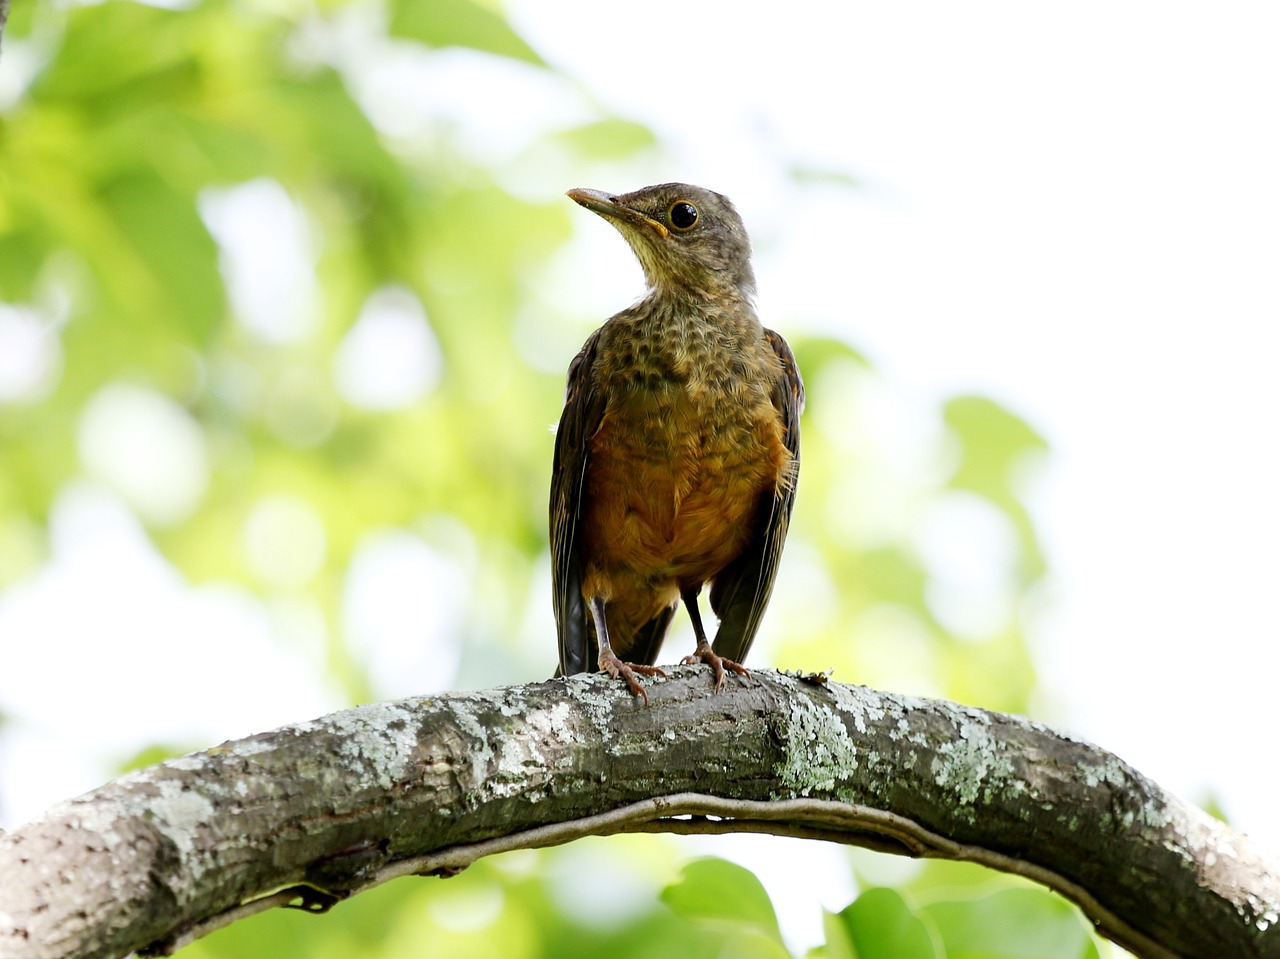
522 905
133 124
459 23
1017 922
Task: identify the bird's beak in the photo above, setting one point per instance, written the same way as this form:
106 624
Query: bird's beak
597 201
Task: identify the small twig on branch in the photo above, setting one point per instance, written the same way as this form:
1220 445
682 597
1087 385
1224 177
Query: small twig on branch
310 814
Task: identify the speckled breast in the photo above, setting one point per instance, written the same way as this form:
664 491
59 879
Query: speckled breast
688 444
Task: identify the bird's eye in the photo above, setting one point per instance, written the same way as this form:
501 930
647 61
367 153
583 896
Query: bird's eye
682 215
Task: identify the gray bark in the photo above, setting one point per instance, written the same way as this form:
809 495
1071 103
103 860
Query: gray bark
314 812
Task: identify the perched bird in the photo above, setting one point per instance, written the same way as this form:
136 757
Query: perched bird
678 450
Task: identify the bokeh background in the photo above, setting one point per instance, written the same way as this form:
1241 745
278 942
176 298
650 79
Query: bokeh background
288 289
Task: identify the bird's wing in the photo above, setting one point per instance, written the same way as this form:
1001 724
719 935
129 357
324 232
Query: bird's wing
741 592
583 407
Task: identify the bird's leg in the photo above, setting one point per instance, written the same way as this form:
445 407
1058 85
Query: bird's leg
609 660
704 653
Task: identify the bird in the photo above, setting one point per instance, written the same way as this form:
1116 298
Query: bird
677 452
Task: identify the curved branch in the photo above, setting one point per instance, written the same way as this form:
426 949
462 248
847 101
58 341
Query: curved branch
312 813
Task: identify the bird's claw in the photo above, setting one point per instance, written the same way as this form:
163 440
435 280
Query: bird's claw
705 654
616 668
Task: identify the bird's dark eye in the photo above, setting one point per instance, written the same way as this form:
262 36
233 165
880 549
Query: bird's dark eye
682 215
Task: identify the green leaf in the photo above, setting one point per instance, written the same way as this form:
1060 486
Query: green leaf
815 354
1012 924
333 125
753 944
153 754
459 23
325 125
880 924
824 176
21 255
717 889
179 258
611 139
994 445
102 53
994 441
1211 803
839 945
20 20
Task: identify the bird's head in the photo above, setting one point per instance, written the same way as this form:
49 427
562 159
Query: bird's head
687 239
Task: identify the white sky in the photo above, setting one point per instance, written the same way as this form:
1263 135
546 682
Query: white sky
1073 208
1076 210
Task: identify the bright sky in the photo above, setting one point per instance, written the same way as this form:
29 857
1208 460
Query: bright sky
1073 208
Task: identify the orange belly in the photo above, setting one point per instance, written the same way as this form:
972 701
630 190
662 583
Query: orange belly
673 489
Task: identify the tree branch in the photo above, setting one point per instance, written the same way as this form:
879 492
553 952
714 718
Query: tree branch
312 813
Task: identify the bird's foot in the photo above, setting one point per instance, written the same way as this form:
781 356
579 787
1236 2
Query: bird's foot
616 668
705 654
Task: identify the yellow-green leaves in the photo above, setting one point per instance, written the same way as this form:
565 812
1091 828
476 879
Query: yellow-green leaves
879 924
716 890
1008 923
609 139
459 23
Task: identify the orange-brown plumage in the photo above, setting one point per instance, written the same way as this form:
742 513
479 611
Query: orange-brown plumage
678 448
